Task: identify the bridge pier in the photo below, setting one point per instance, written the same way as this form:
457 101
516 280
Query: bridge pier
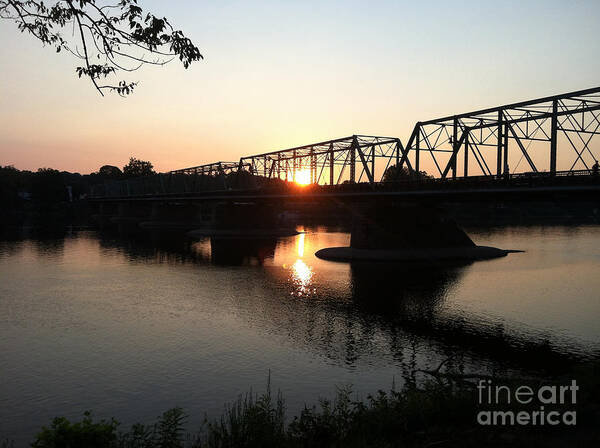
404 226
129 216
105 211
235 251
406 232
230 219
171 216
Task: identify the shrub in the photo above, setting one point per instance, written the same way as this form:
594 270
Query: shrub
84 434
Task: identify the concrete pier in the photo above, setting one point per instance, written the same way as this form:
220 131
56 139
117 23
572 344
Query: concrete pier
407 233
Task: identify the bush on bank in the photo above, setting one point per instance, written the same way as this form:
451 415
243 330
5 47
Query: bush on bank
439 413
384 419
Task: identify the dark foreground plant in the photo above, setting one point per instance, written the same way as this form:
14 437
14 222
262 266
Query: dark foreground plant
167 432
63 433
437 413
252 421
259 421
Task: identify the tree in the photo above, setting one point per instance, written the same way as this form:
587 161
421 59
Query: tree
396 173
48 186
110 172
138 168
107 37
10 182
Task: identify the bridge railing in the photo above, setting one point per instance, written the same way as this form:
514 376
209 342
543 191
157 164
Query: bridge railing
164 184
243 182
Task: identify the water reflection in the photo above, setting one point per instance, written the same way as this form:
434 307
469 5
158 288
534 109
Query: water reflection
177 249
301 241
363 310
139 323
411 299
301 275
240 251
402 288
152 247
361 315
355 314
301 278
45 242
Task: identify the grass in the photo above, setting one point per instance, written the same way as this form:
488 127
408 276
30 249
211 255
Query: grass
440 412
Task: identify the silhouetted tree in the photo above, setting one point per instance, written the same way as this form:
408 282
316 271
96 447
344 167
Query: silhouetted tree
48 186
395 173
137 168
10 182
107 37
110 172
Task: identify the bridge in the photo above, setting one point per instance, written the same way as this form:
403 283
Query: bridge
532 150
529 139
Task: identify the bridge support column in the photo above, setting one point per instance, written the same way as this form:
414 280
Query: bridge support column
128 216
403 227
166 216
406 233
242 220
106 211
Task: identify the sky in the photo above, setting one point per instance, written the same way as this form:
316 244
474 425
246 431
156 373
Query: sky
278 74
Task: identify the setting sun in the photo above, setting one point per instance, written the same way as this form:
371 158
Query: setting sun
303 177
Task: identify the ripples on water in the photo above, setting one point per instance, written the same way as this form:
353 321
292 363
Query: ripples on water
131 327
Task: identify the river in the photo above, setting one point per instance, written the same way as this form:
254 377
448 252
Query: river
131 327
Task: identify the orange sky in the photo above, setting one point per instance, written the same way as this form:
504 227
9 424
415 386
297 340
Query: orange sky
283 74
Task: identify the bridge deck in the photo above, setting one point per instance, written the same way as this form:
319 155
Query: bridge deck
532 184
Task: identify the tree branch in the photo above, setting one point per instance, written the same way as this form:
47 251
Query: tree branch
123 37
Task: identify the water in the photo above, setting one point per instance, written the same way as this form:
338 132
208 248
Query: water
130 328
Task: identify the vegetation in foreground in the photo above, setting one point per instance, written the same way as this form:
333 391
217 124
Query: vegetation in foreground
441 412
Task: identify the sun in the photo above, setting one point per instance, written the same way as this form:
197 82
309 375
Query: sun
303 177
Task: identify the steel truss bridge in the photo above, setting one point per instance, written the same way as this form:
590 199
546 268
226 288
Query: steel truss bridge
531 131
545 137
351 159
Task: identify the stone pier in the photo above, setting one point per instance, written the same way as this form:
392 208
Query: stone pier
406 233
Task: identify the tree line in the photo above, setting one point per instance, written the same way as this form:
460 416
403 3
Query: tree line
48 185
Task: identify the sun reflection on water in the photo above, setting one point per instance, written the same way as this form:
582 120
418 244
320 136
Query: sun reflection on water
301 273
300 245
302 276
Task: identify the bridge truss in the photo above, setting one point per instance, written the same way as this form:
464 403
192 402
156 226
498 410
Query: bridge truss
551 136
358 158
209 169
533 136
214 175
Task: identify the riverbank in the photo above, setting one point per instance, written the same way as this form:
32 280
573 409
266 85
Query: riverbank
444 410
